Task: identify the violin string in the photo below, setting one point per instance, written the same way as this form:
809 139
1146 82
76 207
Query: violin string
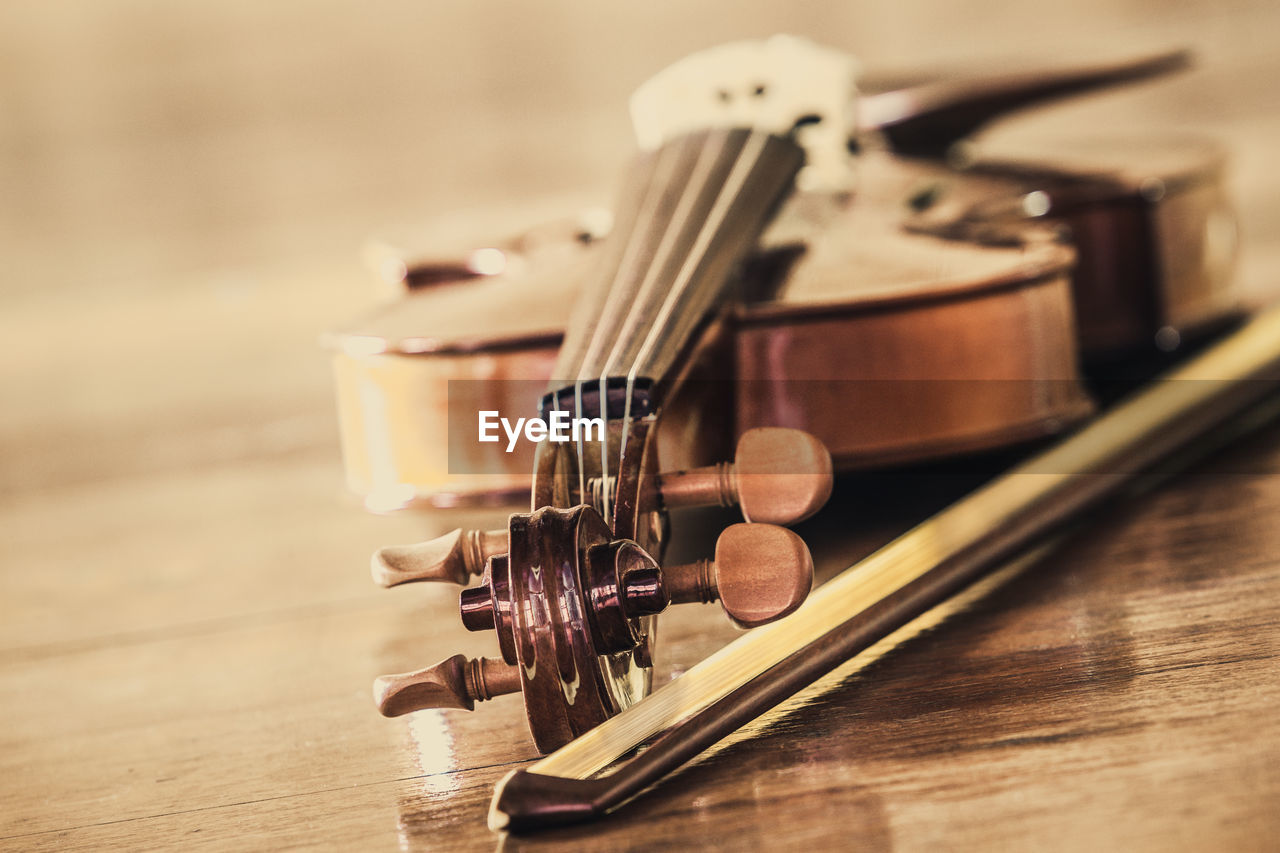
630 260
582 456
749 156
604 454
698 178
555 407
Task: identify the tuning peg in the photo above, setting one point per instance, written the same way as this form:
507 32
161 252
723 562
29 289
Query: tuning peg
761 573
457 682
778 476
454 557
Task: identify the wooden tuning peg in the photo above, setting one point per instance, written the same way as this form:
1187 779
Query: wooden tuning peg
457 682
778 476
760 573
453 557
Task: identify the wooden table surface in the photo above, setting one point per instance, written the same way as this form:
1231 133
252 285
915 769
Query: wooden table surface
187 628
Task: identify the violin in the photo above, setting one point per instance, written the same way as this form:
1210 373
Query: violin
813 280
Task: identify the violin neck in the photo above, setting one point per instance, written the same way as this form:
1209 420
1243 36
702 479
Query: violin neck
690 211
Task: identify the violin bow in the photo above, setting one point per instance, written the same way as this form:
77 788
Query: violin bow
922 569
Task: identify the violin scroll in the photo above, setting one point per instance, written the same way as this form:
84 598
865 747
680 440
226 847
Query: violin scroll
573 625
571 603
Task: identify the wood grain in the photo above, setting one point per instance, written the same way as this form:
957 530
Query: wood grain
187 629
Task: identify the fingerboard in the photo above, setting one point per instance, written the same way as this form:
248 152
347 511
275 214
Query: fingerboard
689 212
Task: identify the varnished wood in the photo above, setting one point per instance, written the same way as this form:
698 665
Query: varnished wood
188 629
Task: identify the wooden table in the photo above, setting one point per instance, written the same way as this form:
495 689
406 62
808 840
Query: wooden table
188 633
187 657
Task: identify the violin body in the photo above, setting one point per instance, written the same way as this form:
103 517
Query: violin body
963 323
